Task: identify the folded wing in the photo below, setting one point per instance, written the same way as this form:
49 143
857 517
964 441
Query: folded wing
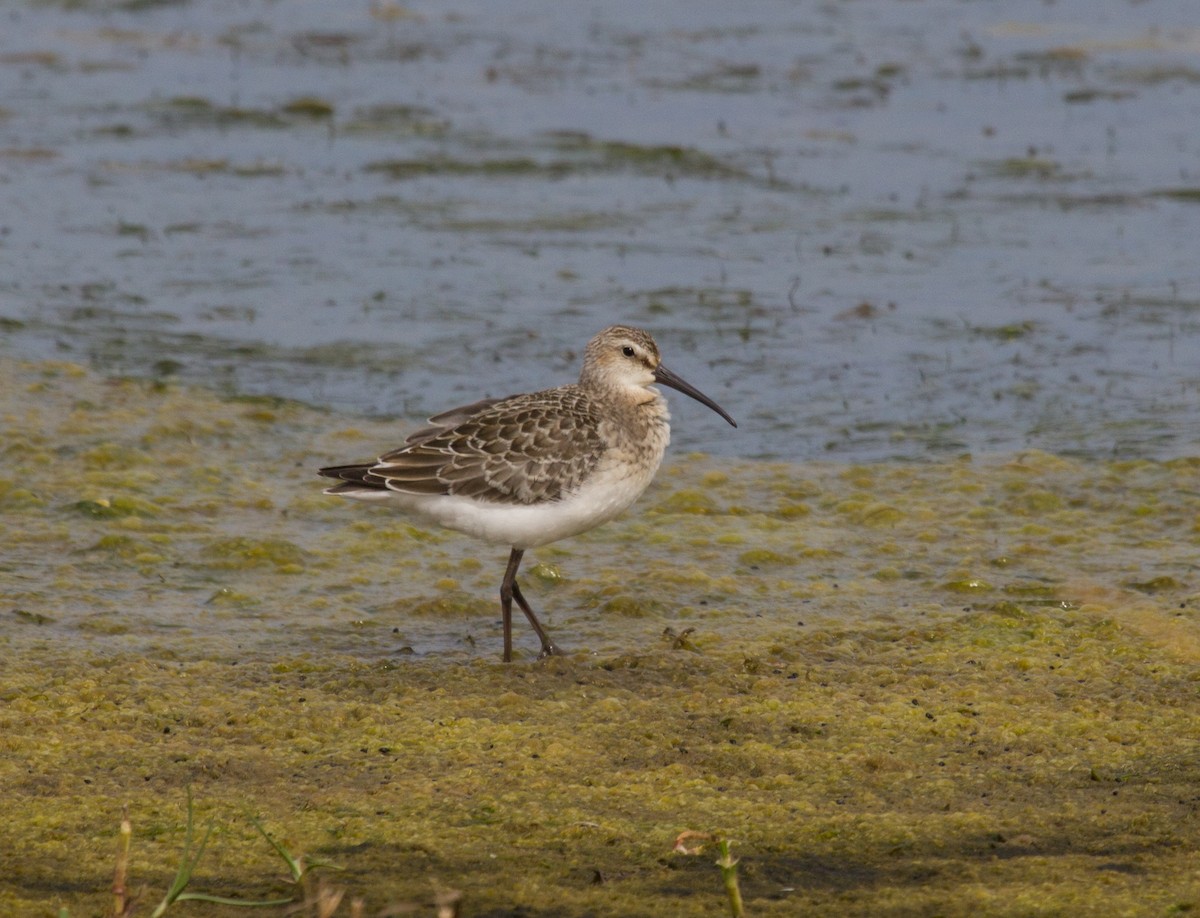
497 450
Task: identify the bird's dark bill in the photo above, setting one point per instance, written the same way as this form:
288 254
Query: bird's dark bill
667 378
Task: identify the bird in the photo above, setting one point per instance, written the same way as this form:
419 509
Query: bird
530 469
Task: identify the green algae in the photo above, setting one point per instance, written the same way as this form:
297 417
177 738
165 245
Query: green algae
116 508
1018 167
195 111
547 573
874 772
309 107
241 552
232 598
1154 585
1186 195
687 500
969 585
571 153
878 728
126 548
757 556
403 169
401 120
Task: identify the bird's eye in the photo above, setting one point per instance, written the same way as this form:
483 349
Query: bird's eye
627 351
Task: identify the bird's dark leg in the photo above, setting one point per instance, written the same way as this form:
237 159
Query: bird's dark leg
510 591
507 586
549 648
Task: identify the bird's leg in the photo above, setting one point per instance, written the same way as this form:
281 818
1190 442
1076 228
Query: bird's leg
549 648
510 591
507 587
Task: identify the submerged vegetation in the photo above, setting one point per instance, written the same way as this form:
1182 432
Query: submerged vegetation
965 687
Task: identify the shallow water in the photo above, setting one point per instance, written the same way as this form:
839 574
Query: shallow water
870 230
167 521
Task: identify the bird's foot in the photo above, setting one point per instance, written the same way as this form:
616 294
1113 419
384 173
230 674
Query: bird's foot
550 649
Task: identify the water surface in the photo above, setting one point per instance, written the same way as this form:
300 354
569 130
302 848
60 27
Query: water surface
870 230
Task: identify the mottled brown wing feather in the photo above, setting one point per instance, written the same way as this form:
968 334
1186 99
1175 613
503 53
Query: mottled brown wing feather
440 423
520 450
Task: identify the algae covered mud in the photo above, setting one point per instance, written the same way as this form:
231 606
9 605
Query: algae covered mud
962 687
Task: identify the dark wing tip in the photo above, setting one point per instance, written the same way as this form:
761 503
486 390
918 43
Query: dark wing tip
345 472
356 476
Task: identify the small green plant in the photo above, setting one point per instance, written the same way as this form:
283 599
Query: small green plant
314 897
124 901
692 842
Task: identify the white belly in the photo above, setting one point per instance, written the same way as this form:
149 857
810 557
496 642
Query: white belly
608 492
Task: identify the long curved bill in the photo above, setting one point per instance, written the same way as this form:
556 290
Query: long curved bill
667 378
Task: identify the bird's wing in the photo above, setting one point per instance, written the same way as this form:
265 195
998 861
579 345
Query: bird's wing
520 450
440 423
357 476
